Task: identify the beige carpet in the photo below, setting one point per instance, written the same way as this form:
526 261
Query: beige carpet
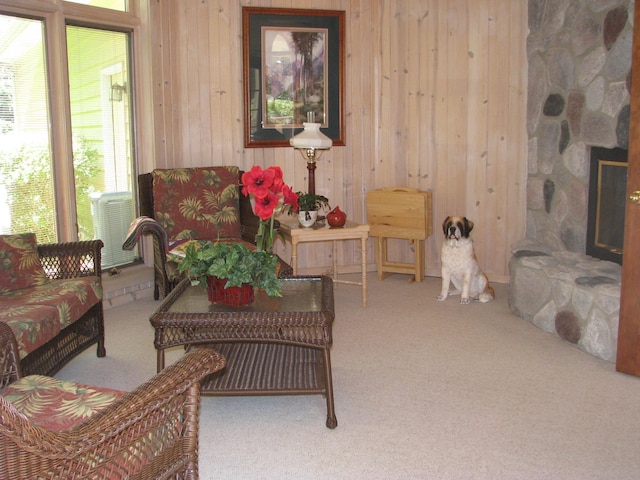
423 389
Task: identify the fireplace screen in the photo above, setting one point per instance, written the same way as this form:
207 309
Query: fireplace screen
607 198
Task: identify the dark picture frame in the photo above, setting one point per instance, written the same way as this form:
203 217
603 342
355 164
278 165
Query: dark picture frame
293 72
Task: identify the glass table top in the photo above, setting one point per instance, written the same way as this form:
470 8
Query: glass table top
304 294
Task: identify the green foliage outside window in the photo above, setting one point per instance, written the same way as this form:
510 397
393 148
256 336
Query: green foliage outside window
26 174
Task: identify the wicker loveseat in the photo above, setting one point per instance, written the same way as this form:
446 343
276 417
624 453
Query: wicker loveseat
51 296
56 429
182 204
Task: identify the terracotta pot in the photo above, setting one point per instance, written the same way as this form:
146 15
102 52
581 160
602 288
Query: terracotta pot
232 296
336 217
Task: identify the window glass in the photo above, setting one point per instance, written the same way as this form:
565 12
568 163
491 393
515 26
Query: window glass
99 89
26 179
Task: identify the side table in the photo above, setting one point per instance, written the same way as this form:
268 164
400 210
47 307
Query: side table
324 233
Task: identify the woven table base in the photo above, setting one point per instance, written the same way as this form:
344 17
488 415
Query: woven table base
266 369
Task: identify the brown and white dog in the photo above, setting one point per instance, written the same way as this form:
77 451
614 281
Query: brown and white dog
459 264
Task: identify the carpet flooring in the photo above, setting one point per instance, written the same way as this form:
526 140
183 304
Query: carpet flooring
423 390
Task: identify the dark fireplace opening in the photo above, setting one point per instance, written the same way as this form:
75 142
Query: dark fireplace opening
607 199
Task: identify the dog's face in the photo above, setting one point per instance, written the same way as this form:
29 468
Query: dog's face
455 228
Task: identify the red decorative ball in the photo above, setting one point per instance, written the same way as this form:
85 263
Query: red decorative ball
336 217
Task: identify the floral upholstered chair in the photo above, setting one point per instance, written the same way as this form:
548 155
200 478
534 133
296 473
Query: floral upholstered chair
56 429
179 205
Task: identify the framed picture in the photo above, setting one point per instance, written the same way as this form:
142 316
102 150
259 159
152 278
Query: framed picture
293 72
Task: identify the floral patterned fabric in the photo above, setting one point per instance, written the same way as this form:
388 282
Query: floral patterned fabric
197 203
37 314
57 405
20 265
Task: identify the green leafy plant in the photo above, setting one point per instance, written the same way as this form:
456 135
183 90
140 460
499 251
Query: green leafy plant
309 202
234 262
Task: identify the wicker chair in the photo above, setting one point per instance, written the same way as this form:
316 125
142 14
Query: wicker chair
165 270
150 433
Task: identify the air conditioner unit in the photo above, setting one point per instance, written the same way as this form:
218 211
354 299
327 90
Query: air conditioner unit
112 214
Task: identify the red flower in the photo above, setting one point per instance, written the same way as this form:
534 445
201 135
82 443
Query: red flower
290 197
266 205
270 194
257 181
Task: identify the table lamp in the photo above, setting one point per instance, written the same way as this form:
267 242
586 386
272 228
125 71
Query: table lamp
308 142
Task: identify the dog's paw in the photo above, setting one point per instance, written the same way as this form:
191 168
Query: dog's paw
484 297
465 300
441 298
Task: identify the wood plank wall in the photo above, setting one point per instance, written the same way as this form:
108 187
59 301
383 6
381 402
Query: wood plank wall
435 99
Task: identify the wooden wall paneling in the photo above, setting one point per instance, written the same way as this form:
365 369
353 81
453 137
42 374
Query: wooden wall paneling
408 131
235 88
429 157
159 29
499 224
493 227
477 116
167 78
413 55
384 173
441 196
412 93
219 73
188 99
456 127
360 117
180 73
394 98
516 160
494 191
200 98
401 96
170 123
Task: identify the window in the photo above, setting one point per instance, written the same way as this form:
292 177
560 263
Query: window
88 192
120 5
99 89
26 181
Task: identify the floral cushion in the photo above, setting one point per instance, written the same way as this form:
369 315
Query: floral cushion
32 325
20 265
37 314
197 203
57 405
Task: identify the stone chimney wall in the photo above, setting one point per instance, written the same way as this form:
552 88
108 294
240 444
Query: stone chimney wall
579 54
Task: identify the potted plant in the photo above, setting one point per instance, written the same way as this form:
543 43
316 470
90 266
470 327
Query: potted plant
229 270
308 206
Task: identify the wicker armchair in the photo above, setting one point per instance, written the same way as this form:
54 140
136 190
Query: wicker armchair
150 433
165 270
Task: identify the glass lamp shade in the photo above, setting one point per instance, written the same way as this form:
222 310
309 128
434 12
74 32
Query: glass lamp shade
311 137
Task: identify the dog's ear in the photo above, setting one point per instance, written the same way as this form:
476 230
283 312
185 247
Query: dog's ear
445 226
468 226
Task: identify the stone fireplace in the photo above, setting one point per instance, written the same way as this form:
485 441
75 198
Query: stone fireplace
579 55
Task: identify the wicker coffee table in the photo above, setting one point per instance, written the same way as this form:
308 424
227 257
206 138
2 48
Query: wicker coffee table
275 346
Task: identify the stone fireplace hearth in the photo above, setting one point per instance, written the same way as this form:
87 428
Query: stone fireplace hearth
572 295
579 55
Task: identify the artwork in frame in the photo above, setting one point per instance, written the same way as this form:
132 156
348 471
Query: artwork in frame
293 72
